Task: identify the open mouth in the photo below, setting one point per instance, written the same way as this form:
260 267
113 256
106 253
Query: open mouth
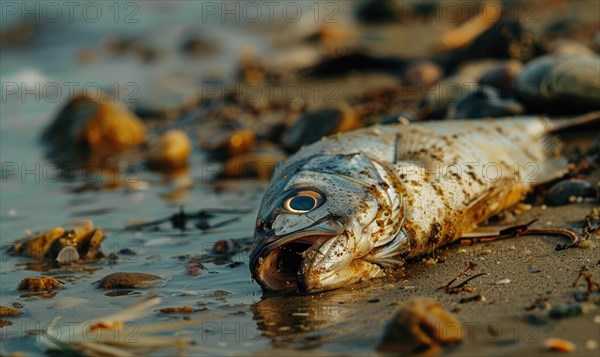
279 269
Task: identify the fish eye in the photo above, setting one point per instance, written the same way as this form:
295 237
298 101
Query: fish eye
303 201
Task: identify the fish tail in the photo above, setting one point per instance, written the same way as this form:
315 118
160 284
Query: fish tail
552 125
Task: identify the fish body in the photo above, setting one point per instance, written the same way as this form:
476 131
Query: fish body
343 209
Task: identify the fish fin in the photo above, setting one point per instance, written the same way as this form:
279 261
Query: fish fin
388 254
555 166
552 125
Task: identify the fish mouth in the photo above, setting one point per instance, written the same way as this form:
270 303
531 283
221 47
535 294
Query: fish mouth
277 263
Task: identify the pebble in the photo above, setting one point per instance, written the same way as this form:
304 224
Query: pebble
503 281
9 311
560 84
39 283
463 251
169 151
560 345
591 344
430 262
575 309
586 244
512 247
526 252
98 124
569 191
130 280
12 213
421 325
486 252
483 102
502 76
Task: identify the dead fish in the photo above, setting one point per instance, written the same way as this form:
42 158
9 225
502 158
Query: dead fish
347 207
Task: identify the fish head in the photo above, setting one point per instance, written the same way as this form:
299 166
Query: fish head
318 222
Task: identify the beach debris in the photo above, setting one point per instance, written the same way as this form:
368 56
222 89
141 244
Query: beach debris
130 280
148 337
169 151
521 230
181 219
421 326
76 242
592 285
39 283
503 281
448 288
559 345
539 303
474 298
568 191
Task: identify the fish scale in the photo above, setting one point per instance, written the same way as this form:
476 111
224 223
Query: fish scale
398 191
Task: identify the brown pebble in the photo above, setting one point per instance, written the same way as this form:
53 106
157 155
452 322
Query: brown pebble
221 247
175 310
4 322
422 326
39 283
170 151
560 345
9 311
130 280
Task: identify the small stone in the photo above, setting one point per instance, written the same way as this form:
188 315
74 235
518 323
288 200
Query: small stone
486 252
503 281
39 283
430 262
9 311
526 252
586 244
560 345
597 319
4 323
544 207
12 213
130 280
169 151
422 325
512 247
591 344
221 247
463 251
569 191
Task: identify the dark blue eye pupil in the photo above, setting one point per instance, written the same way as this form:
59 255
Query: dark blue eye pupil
302 203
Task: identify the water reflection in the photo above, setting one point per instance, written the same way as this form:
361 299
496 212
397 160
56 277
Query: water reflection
310 321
